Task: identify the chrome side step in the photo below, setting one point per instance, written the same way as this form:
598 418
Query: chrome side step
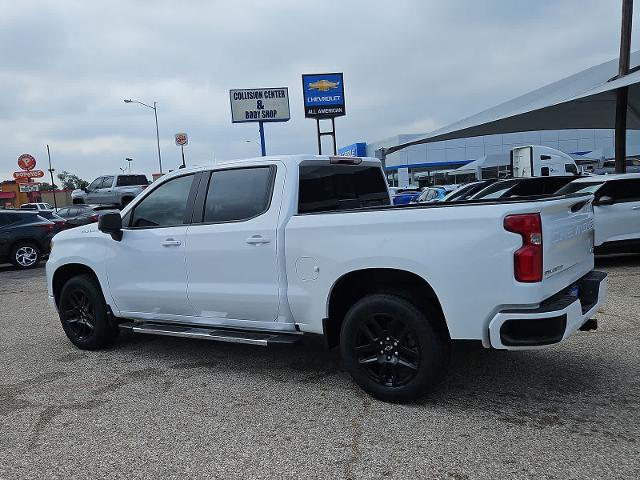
216 334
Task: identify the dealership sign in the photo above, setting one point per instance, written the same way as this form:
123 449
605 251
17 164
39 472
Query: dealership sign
323 95
29 174
260 105
353 150
26 162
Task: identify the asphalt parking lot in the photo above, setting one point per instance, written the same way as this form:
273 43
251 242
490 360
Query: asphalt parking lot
159 407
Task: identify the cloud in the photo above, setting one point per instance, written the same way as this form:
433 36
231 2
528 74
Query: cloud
409 66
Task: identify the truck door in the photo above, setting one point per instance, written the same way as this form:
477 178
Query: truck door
146 268
231 255
103 194
621 220
92 191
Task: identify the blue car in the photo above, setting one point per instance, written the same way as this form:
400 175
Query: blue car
435 193
404 196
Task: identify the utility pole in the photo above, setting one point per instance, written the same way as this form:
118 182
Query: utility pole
622 94
53 186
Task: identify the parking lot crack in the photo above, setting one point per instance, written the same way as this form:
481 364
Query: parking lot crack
356 437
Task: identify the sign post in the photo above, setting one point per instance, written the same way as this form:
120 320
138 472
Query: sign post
324 99
260 105
181 140
53 186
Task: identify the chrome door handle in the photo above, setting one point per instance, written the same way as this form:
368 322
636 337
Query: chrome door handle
170 242
635 208
257 240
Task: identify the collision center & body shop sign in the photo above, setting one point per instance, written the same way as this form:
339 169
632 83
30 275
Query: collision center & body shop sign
260 105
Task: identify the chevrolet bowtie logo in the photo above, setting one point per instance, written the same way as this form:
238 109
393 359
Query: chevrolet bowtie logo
323 85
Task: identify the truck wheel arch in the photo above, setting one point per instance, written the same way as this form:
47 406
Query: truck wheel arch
65 272
357 284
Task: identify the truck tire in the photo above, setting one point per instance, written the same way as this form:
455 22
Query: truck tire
83 313
25 255
125 201
391 349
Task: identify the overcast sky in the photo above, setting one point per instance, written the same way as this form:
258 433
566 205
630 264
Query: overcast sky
409 67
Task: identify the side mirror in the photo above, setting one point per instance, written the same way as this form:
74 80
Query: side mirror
605 200
85 189
111 223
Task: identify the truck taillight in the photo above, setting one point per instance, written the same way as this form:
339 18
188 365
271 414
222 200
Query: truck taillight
527 260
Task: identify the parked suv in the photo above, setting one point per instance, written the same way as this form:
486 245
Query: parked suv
25 237
111 190
616 210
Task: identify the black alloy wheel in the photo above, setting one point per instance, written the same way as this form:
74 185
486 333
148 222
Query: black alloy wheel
79 313
387 350
392 348
83 314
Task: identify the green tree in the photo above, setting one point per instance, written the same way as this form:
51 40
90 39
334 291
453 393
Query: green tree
71 181
44 187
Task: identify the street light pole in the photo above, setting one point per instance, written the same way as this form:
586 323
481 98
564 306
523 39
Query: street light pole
155 112
53 186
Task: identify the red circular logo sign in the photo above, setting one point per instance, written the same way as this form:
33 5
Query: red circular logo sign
26 162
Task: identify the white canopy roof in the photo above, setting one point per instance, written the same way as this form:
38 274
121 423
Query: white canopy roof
584 100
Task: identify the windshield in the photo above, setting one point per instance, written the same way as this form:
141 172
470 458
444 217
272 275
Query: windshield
460 192
580 187
496 190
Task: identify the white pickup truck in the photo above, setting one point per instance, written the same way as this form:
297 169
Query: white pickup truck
266 250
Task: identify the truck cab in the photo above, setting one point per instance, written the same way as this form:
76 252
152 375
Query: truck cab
540 161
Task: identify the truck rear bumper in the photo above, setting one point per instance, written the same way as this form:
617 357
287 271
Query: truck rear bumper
554 320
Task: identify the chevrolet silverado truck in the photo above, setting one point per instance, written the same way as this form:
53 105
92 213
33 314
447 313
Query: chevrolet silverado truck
264 251
111 190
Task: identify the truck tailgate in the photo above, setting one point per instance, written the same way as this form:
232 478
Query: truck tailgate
567 233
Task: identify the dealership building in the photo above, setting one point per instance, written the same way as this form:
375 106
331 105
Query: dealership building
426 160
583 100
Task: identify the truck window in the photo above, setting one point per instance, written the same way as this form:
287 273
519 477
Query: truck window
570 168
238 194
621 190
95 184
325 188
106 182
165 206
131 180
580 187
